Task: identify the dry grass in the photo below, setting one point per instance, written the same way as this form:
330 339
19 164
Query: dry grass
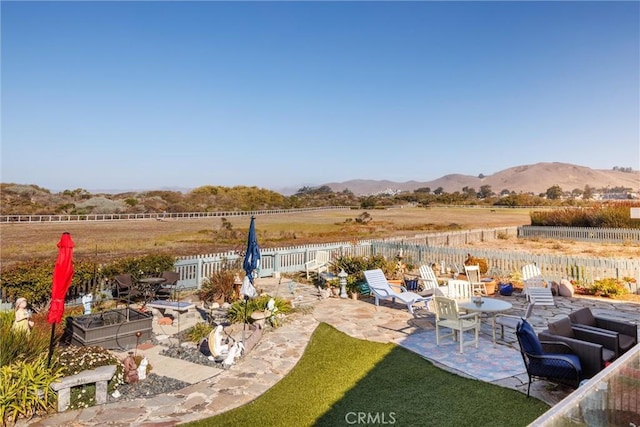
108 240
197 236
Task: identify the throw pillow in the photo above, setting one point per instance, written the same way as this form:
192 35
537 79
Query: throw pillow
561 327
583 317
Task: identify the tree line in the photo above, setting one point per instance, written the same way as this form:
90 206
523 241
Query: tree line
34 200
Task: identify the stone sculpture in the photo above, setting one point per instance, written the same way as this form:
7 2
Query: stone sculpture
234 353
86 302
130 369
142 369
22 320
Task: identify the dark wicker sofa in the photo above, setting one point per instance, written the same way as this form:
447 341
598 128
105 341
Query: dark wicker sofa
588 345
626 334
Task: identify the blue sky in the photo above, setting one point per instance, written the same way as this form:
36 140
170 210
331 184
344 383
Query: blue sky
149 95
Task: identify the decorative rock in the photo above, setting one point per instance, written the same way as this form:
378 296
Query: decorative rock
565 289
165 321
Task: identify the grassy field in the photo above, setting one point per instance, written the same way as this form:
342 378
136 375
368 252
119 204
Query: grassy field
108 240
105 241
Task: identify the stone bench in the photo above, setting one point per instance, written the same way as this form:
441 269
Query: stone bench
177 308
100 376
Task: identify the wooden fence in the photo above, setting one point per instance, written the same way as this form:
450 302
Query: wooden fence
446 249
502 262
588 234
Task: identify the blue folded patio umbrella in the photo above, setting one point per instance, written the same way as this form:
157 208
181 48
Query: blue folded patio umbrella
252 256
250 264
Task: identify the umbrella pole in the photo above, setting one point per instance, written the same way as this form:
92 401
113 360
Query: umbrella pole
244 326
53 333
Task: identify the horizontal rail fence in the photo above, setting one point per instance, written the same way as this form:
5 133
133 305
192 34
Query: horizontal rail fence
161 216
553 266
586 234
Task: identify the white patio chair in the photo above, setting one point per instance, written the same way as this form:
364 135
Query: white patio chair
456 289
428 280
473 277
448 316
380 288
511 321
319 264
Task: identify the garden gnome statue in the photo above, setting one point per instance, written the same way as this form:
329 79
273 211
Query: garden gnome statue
22 321
142 369
87 299
130 369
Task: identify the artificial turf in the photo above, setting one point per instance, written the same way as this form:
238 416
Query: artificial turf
342 380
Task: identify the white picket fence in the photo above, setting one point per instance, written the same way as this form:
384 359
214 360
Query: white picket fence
590 234
445 249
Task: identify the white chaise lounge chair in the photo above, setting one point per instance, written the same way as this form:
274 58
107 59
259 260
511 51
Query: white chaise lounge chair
535 287
381 289
428 280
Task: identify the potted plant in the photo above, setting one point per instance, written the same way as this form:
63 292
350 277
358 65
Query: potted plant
219 287
353 287
505 284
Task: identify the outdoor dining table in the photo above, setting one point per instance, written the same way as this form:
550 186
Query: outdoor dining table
149 286
491 306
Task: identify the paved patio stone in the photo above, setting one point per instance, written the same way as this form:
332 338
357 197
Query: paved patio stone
215 390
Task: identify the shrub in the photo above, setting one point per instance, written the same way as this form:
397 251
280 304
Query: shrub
220 285
16 345
609 287
471 260
503 235
25 388
199 332
355 266
609 215
236 313
139 267
32 279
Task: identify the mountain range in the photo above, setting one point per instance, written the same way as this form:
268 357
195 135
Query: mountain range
535 178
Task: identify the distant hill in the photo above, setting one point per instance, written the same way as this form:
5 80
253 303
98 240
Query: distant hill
536 179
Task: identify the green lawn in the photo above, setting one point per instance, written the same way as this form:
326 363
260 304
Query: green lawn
340 378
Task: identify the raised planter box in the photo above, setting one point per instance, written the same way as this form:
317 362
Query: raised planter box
111 329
